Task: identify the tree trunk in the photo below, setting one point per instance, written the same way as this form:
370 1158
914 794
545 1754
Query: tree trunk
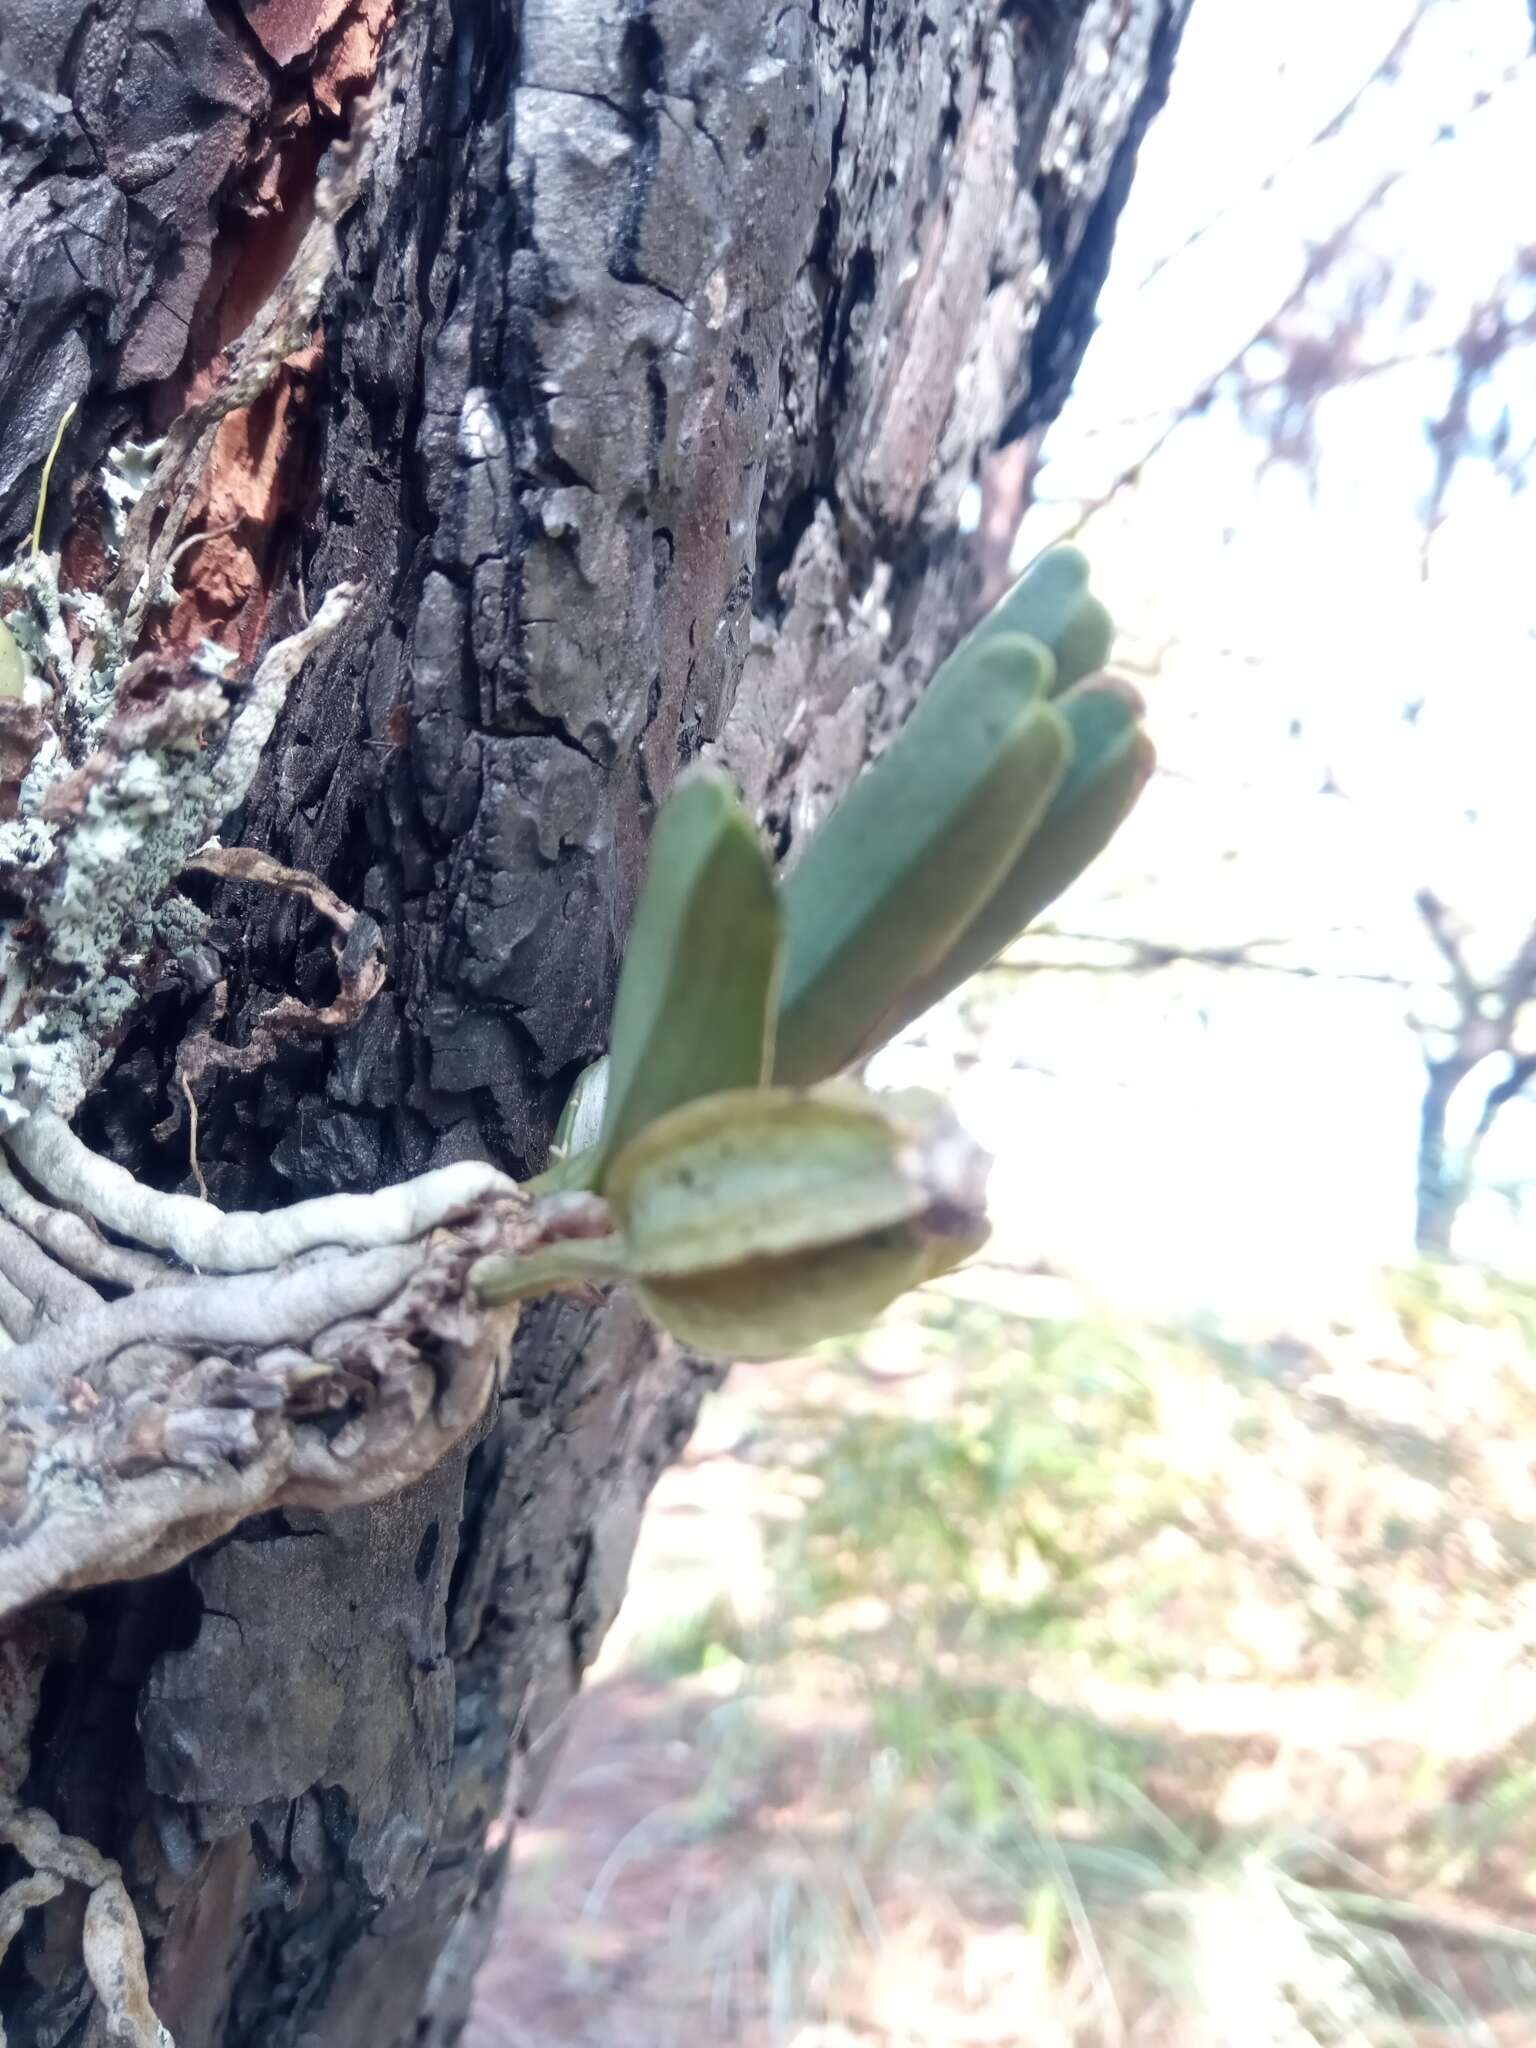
666 340
1440 1185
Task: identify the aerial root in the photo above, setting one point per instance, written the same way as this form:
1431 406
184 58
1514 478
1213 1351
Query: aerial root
75 1243
221 1364
213 1240
112 1940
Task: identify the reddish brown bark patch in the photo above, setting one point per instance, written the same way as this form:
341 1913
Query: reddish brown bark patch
349 61
288 29
350 30
254 483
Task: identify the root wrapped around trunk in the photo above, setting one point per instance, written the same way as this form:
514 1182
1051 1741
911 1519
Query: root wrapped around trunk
146 1407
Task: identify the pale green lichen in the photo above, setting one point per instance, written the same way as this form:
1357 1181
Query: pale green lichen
129 471
37 624
105 822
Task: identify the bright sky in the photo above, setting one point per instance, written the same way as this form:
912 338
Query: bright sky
1247 1140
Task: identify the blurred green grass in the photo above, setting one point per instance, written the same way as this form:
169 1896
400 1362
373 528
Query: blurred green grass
1201 1663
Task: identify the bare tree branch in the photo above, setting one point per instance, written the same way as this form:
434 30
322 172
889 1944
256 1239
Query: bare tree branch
1143 956
1320 260
1449 933
1519 981
1384 70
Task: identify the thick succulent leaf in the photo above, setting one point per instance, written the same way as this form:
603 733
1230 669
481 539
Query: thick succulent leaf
694 1012
1112 758
775 1308
761 1172
761 1220
913 852
1051 603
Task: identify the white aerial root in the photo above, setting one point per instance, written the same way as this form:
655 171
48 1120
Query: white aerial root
18 1315
112 1943
346 1353
42 1281
16 1902
251 727
74 1242
244 1311
213 1240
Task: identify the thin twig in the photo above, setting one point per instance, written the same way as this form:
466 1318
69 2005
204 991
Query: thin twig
1319 260
1447 933
1147 955
1384 68
197 1171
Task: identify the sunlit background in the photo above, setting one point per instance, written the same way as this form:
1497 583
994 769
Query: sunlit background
1134 1639
1330 596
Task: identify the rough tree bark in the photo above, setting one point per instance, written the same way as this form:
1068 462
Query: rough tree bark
667 339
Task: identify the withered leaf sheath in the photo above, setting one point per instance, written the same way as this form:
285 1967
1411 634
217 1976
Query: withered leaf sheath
757 1222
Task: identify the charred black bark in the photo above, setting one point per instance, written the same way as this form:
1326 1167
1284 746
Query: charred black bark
667 339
